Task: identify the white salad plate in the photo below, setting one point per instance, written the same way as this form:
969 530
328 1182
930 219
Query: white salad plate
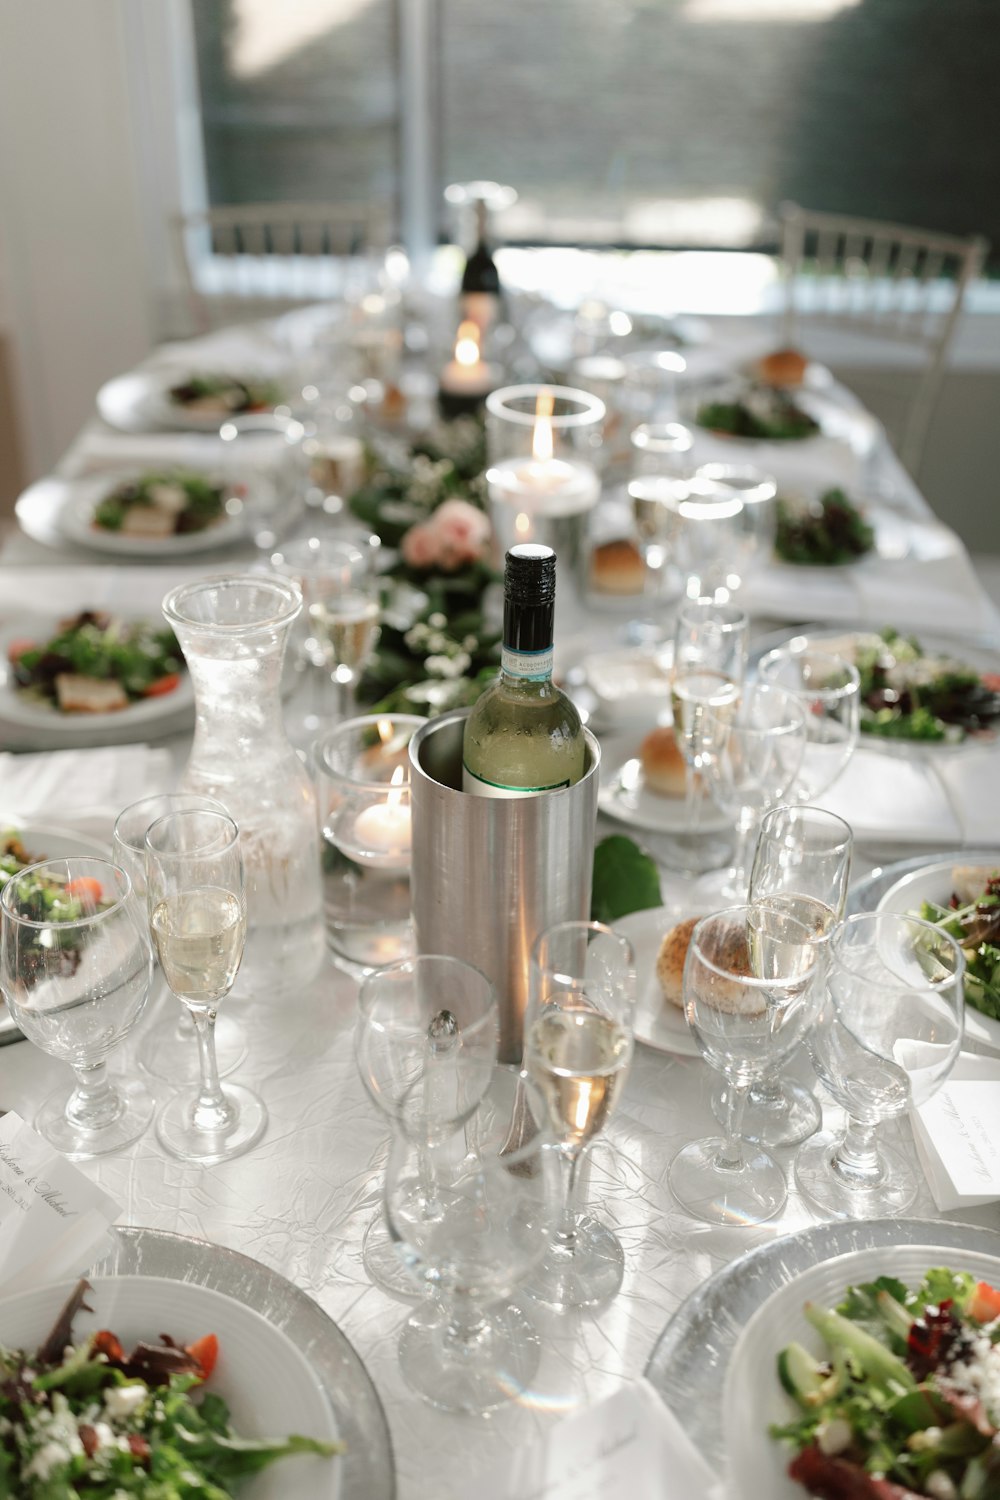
140 401
658 1022
133 722
898 538
753 1396
270 1387
623 794
83 496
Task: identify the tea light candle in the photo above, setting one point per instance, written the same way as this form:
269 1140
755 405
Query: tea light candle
467 380
542 486
382 832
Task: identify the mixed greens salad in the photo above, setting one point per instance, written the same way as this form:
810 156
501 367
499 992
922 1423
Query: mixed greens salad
906 1401
822 533
170 502
14 857
975 926
91 1420
98 663
910 694
762 412
224 394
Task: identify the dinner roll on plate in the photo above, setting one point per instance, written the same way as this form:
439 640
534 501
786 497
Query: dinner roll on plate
783 367
725 994
617 568
663 767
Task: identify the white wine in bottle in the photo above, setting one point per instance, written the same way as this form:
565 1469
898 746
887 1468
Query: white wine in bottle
524 736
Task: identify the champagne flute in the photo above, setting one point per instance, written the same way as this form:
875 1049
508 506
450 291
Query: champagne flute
829 690
75 970
578 1046
168 1049
196 894
710 653
802 865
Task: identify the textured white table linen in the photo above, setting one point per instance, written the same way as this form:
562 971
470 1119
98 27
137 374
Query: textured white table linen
84 788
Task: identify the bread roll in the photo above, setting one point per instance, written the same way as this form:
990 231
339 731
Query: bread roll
785 367
617 568
670 961
663 766
724 994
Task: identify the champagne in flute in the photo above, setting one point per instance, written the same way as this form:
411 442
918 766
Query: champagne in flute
704 701
348 624
199 936
579 1060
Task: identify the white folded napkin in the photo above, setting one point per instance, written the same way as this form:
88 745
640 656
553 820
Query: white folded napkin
957 1135
86 789
55 592
626 1446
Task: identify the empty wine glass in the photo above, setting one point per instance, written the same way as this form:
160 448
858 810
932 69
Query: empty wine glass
578 1046
753 530
168 1048
196 895
750 993
263 451
829 690
471 1220
759 756
425 1044
886 1037
710 653
75 970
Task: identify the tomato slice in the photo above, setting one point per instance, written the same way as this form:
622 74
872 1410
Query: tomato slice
107 1343
17 648
984 1304
87 887
204 1351
162 685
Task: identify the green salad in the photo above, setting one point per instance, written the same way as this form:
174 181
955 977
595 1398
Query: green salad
222 394
905 1400
975 925
171 502
96 663
822 533
762 412
90 1420
908 693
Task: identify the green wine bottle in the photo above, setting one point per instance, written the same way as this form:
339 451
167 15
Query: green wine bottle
524 736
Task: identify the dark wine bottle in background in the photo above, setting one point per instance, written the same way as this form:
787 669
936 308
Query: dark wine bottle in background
481 300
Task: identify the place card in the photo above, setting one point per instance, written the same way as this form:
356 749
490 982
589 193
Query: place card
957 1136
53 1220
627 1445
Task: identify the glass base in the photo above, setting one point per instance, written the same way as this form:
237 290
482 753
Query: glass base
839 1194
169 1050
590 1272
786 1115
178 1135
489 1368
716 1194
134 1114
384 1264
359 951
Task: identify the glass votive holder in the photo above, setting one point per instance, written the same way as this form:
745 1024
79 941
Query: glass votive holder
543 447
264 454
362 772
651 385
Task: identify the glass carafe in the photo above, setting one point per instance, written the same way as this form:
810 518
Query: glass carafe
233 631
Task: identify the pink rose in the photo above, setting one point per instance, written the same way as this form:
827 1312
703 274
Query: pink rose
420 546
462 532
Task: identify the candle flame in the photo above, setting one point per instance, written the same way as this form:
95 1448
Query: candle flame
385 730
395 788
467 344
541 437
522 525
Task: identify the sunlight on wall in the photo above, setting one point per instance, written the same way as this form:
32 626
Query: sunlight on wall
267 33
713 11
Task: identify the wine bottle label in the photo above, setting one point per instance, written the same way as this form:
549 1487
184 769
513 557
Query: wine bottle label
483 788
531 666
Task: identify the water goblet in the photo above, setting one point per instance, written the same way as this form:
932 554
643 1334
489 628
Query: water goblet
710 652
75 971
264 453
886 1037
425 1044
750 993
578 1046
760 753
168 1048
471 1220
829 689
196 896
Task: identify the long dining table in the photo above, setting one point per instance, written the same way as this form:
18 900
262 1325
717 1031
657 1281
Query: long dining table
300 1201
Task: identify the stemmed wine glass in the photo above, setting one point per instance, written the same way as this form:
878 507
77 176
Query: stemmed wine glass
758 759
75 970
710 653
829 690
750 993
168 1049
578 1046
886 1036
802 865
471 1219
196 895
425 1044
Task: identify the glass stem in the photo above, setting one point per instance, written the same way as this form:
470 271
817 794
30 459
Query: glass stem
730 1158
564 1238
94 1103
693 792
211 1110
856 1160
738 879
466 1324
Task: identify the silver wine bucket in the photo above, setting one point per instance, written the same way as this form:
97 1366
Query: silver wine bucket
491 873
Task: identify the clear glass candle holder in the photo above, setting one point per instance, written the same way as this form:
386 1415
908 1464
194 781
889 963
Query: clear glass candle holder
362 773
543 448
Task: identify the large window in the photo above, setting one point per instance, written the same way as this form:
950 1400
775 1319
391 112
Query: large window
631 122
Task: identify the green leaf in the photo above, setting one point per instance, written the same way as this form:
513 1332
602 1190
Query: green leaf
625 879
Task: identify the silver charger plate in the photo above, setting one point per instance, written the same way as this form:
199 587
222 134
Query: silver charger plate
688 1363
368 1469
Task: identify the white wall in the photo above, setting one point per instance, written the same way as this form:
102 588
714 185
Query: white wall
77 303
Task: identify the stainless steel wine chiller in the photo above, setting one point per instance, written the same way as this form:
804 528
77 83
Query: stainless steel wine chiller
491 873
